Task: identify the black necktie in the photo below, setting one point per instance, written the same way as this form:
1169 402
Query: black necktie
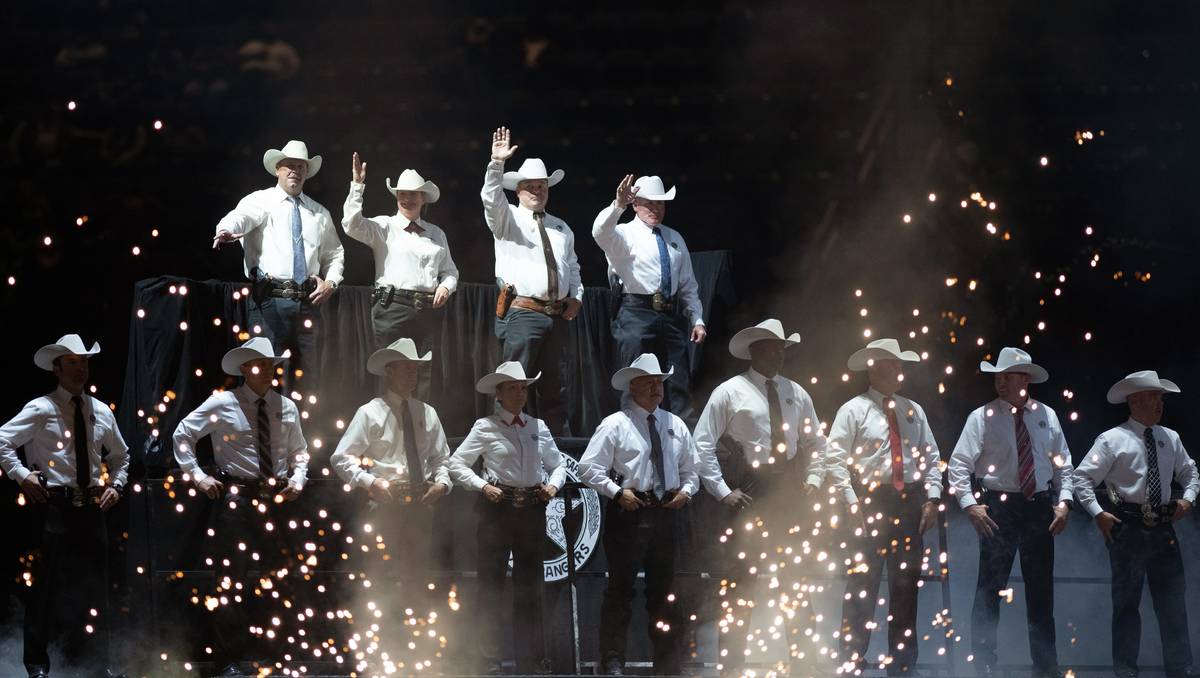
656 458
778 441
265 466
1153 480
416 471
83 465
551 264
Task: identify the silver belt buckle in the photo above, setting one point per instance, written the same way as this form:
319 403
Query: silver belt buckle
553 307
77 497
1149 516
658 302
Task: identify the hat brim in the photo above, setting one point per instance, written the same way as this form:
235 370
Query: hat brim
621 379
430 189
511 179
272 158
379 360
46 355
1121 390
490 382
1037 373
862 358
739 345
669 195
234 358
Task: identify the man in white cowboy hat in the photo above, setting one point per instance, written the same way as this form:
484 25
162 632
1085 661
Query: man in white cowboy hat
292 254
896 481
394 449
642 459
538 274
1015 448
1138 462
759 445
522 470
67 487
261 459
660 306
414 272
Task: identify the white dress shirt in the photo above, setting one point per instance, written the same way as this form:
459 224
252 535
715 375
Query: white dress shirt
632 252
410 261
373 444
45 427
264 218
515 450
233 417
622 443
520 261
988 448
1118 459
738 408
861 429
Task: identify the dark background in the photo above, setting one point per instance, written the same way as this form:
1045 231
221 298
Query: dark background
798 133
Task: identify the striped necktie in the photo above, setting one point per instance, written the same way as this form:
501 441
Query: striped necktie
1025 474
263 425
299 261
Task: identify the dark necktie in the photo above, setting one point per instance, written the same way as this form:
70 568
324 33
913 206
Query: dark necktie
656 458
894 442
265 466
664 262
416 471
1025 474
548 251
79 436
414 227
778 441
1153 479
299 262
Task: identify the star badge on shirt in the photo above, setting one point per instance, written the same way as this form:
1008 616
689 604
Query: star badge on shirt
1161 443
791 402
1042 424
911 419
674 244
671 432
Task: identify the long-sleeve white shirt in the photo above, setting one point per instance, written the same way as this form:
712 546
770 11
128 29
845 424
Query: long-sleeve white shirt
738 408
520 261
988 448
411 261
632 252
45 426
1118 459
622 443
264 218
517 450
230 418
373 444
861 429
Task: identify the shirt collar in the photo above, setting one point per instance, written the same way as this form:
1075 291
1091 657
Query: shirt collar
879 398
244 392
507 417
1137 426
1002 405
760 379
282 195
64 396
638 412
394 399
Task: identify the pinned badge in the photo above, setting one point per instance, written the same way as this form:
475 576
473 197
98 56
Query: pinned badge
671 432
1042 424
791 402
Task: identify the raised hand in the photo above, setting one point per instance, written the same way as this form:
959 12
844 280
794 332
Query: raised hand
501 150
626 192
358 169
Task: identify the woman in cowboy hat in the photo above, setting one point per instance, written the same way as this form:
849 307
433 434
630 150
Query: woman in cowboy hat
414 272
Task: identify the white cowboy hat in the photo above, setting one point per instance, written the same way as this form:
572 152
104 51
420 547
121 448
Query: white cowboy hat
651 188
880 349
258 347
409 180
68 344
402 349
645 365
533 168
1015 360
1146 380
505 372
296 150
739 345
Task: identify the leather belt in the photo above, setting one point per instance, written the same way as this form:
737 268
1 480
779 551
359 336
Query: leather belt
252 487
1150 516
520 497
384 295
657 301
550 308
1044 495
651 501
284 289
77 498
405 493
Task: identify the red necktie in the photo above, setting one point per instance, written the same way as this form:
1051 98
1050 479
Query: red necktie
1025 475
414 227
518 421
894 443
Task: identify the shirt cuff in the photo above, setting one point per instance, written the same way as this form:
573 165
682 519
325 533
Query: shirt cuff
197 474
1065 495
1093 508
849 496
934 491
722 490
610 489
20 473
1190 496
364 480
814 479
475 483
299 477
966 500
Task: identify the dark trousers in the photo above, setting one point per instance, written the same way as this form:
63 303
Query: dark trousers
407 556
633 540
282 321
1024 527
503 529
898 543
1140 554
640 329
243 524
70 578
397 320
541 343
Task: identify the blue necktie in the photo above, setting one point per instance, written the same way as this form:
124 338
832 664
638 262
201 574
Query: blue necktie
299 262
664 262
656 458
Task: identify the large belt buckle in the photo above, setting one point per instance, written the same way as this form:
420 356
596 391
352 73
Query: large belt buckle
553 307
658 302
77 497
417 303
1149 516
